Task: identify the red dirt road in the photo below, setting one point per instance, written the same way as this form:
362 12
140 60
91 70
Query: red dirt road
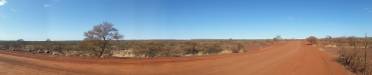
289 58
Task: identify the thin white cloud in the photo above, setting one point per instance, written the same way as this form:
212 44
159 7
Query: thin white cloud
2 16
2 2
291 18
368 10
13 10
56 0
51 3
46 5
365 8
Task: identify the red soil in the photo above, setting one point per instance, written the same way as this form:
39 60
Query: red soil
289 58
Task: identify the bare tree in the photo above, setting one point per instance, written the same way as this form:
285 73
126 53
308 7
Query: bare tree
19 44
48 44
312 40
328 39
20 40
104 34
277 38
48 40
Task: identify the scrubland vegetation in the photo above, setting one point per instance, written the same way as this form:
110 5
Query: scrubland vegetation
105 41
191 47
140 48
353 52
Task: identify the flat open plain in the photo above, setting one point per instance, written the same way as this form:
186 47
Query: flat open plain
286 58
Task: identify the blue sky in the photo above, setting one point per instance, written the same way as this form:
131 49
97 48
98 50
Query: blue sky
185 19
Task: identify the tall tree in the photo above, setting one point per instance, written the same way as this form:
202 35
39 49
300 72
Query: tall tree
48 40
328 38
48 44
312 40
19 44
104 34
277 38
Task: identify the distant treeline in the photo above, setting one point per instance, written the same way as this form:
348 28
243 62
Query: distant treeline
136 48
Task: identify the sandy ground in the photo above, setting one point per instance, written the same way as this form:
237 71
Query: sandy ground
287 58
